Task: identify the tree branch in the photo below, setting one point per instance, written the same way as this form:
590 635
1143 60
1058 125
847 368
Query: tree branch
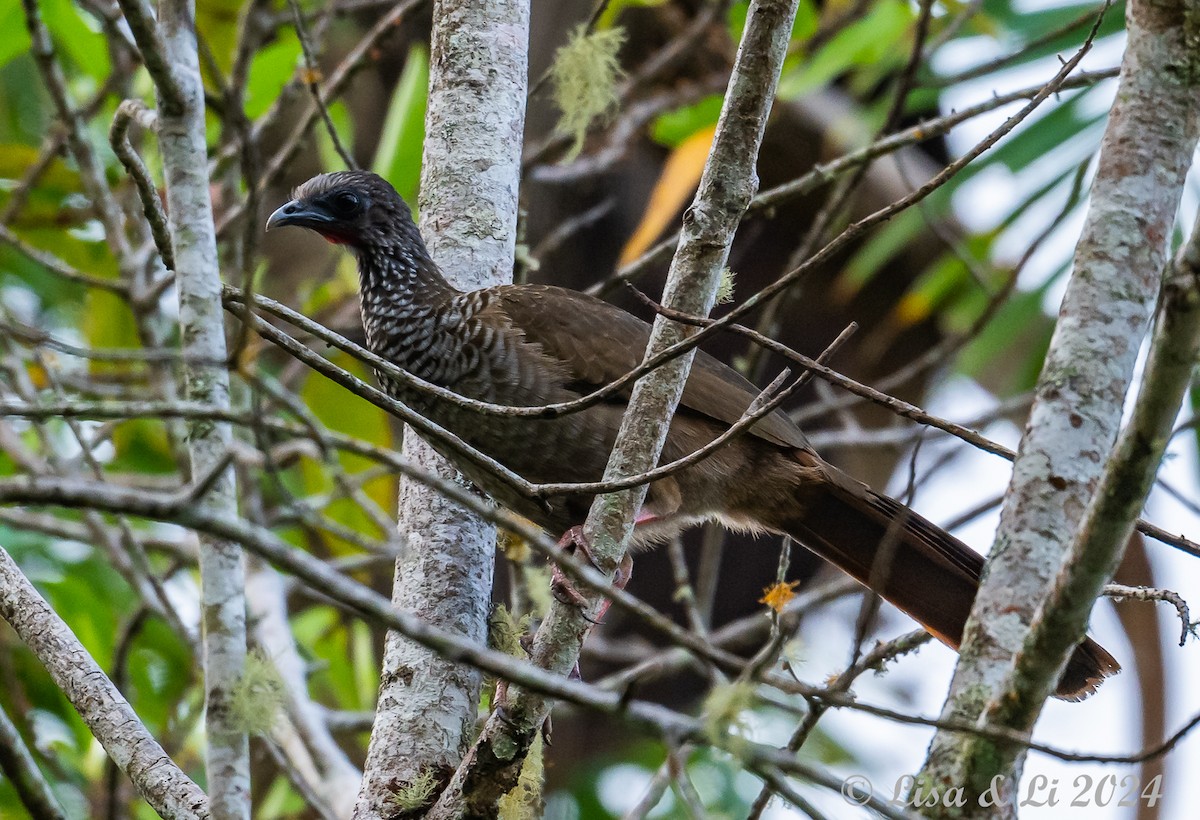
105 711
18 765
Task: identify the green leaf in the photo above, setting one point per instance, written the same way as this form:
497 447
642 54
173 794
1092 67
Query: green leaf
217 21
341 412
398 158
885 243
324 633
365 662
25 110
1055 184
808 18
1194 401
608 17
737 19
57 178
1047 134
16 36
343 123
271 69
281 802
673 127
874 39
1065 44
160 672
940 288
1008 353
1030 23
76 39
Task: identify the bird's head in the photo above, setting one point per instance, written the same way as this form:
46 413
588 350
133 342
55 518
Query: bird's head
354 208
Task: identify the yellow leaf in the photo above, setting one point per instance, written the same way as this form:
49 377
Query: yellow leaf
37 375
912 308
680 176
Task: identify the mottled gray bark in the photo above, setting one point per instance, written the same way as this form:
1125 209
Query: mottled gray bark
468 216
1145 154
107 714
182 144
726 187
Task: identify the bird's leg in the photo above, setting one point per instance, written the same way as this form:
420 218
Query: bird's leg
564 590
576 543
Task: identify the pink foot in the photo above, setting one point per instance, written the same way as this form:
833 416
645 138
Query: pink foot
575 543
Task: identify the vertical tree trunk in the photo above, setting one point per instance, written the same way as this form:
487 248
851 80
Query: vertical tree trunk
726 188
1144 157
468 215
202 322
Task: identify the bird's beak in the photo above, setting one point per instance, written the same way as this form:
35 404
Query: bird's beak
299 213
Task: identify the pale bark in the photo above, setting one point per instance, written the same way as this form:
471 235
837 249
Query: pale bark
105 711
428 704
170 49
726 187
1145 154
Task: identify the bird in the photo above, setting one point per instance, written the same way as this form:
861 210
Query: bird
529 345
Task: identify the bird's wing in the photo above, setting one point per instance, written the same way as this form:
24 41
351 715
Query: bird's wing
597 343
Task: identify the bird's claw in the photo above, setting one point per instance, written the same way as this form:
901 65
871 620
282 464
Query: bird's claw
575 542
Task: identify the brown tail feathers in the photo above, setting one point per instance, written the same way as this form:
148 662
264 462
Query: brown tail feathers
923 570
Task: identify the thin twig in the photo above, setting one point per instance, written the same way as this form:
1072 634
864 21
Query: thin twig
129 112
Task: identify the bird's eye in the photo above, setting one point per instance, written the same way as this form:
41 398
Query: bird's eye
346 203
